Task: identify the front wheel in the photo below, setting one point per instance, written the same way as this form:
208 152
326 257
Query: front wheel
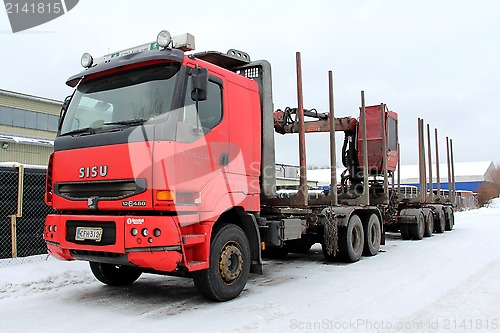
114 275
229 265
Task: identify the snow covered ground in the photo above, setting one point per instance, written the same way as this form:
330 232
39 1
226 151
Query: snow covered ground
448 282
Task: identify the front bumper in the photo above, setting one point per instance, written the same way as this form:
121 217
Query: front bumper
156 242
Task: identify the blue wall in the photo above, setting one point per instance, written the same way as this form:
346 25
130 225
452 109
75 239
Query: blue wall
464 186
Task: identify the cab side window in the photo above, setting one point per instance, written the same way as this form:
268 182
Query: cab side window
209 111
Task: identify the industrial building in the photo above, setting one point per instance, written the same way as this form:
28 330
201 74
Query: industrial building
28 126
468 175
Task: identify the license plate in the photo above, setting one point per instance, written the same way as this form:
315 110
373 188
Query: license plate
83 233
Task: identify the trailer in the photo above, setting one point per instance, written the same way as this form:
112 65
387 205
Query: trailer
164 163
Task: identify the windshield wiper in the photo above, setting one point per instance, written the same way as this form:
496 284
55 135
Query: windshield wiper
127 122
89 130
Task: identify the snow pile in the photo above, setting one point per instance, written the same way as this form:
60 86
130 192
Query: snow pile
495 203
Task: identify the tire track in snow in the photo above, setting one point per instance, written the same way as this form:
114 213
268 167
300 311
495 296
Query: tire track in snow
51 283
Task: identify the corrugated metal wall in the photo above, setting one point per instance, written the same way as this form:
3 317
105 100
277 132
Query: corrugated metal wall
27 132
30 105
27 154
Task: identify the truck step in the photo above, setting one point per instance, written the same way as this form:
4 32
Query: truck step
196 263
193 239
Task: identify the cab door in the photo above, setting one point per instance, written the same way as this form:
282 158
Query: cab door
202 148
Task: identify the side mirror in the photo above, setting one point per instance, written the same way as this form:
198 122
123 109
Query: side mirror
66 103
199 82
64 108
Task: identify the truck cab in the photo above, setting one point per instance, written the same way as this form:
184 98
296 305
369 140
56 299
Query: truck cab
154 148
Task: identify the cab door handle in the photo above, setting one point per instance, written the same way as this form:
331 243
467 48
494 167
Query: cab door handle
224 159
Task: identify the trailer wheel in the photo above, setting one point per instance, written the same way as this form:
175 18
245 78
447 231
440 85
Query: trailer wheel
351 240
440 224
373 236
229 265
114 275
405 231
429 224
417 230
450 219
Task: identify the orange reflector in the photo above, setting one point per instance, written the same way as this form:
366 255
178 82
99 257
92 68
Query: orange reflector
165 196
263 246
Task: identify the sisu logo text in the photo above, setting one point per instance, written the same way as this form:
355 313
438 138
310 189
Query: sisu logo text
93 171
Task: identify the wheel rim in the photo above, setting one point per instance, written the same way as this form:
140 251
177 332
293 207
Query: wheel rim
230 262
374 234
421 225
356 238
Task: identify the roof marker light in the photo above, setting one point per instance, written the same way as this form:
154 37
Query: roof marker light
164 38
87 60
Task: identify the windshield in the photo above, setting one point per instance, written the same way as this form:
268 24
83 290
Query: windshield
127 98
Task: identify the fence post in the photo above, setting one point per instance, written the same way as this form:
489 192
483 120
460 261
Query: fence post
19 213
13 229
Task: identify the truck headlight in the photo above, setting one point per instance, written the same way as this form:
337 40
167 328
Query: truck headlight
164 38
87 60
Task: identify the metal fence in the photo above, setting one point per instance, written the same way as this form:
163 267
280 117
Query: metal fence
22 211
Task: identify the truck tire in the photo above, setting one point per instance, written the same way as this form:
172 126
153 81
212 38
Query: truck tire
440 222
351 240
229 267
405 231
417 230
450 219
114 275
429 224
373 236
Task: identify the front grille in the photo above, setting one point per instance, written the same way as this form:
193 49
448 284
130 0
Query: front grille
108 232
104 190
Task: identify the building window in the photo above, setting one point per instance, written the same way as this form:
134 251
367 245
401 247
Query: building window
42 121
18 118
5 116
28 119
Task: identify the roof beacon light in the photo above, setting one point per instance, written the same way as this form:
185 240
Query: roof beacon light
87 60
164 38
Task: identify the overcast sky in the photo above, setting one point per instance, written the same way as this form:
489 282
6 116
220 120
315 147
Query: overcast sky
439 60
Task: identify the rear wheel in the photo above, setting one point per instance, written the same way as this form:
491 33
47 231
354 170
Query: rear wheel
417 230
229 267
440 222
373 236
115 275
351 240
405 231
450 219
429 224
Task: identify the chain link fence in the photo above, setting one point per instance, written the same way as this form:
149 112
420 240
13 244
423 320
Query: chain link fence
22 212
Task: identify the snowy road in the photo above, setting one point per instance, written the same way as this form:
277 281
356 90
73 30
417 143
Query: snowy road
448 282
